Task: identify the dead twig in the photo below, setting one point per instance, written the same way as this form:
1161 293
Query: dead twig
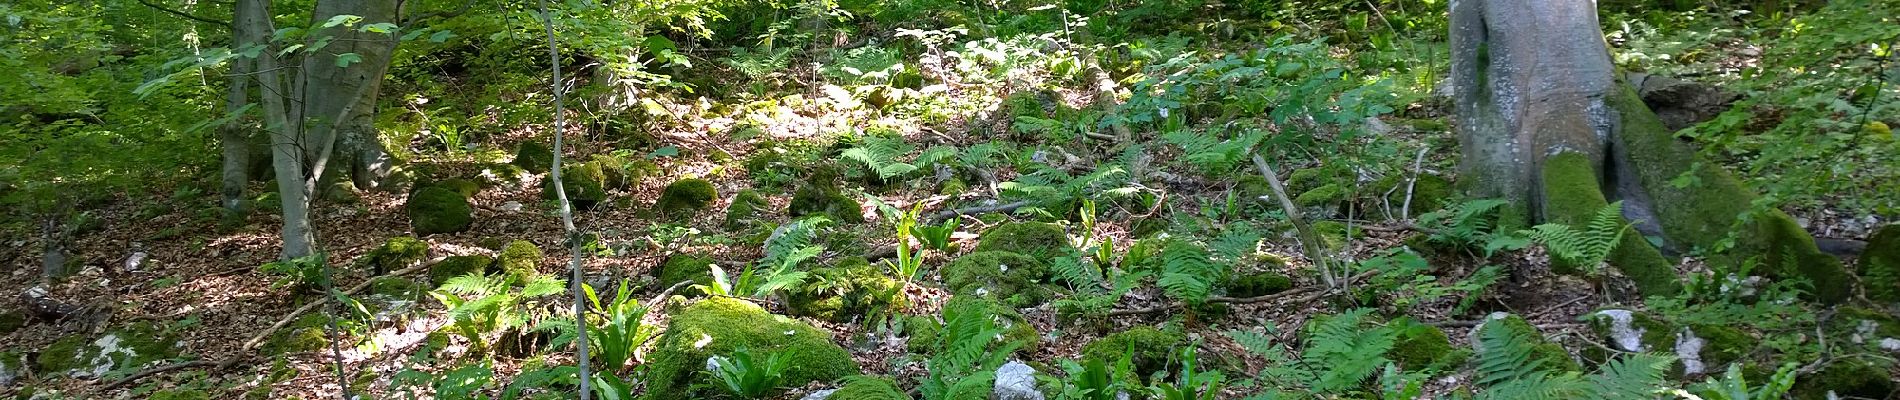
947 214
1309 239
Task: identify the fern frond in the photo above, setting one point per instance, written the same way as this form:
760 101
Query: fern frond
1188 273
1506 355
1637 376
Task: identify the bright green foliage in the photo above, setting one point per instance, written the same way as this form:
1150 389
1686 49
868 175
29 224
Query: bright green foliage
455 266
1538 354
307 334
865 387
485 306
746 210
1419 347
686 267
1476 224
399 252
619 333
749 375
1017 331
1584 247
1152 348
1258 284
585 183
849 291
1879 265
685 197
1327 195
520 259
1014 279
464 187
966 353
812 199
1193 383
534 157
719 325
1733 386
1035 239
436 210
1584 231
1510 367
1345 349
880 154
1188 272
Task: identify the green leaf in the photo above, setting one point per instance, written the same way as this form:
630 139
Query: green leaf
341 20
344 60
441 36
380 27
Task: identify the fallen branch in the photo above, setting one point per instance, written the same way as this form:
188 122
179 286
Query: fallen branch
947 214
1309 239
1311 292
244 351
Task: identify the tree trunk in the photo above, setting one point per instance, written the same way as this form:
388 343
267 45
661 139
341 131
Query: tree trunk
1545 121
327 90
234 139
287 144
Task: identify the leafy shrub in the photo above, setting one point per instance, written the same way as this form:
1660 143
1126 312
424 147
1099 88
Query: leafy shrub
966 355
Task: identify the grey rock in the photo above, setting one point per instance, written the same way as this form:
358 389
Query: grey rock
1015 381
819 395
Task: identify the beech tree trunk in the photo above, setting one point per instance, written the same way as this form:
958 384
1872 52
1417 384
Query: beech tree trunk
328 90
234 137
1545 121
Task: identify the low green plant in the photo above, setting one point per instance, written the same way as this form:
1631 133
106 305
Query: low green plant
747 374
1188 272
481 306
909 263
1732 386
1473 225
1507 369
619 333
301 273
1406 280
784 252
1588 246
966 355
1193 384
1095 379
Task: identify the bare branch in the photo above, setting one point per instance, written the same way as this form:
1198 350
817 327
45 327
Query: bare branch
185 15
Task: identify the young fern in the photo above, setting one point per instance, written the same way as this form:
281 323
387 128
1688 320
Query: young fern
1508 369
1588 247
880 154
1188 272
965 360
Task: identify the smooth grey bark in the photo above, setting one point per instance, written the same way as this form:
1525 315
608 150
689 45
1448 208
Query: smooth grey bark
287 144
327 90
235 138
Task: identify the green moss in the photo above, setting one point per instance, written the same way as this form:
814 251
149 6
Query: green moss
1253 188
1722 345
520 259
745 209
11 320
585 184
1428 193
1879 265
305 335
952 187
1334 233
921 332
456 266
1303 180
62 355
1554 357
613 170
685 197
1421 347
436 210
1036 239
464 187
534 157
397 253
865 387
501 175
1849 320
1328 195
1258 284
1700 216
1572 196
395 286
1012 278
812 199
718 326
923 329
1846 378
843 293
686 267
1658 336
180 394
1152 348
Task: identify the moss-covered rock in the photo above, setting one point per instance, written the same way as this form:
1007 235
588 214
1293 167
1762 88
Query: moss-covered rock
718 326
1721 345
130 346
812 199
1041 240
585 184
397 253
1151 349
1879 265
864 387
1257 284
520 259
1862 325
1846 378
1553 356
923 329
464 187
1325 196
436 210
686 267
307 334
455 266
1420 347
921 332
11 320
1573 196
396 287
534 157
502 175
844 292
746 210
685 197
1011 278
1428 193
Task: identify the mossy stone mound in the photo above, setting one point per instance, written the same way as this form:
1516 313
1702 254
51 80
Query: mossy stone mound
520 259
585 184
686 197
746 210
534 157
436 210
11 320
1428 193
864 387
307 334
1258 284
830 203
1846 378
1152 349
456 266
696 268
720 326
1327 196
852 289
1420 347
1036 239
1013 279
397 253
1879 265
134 345
504 175
924 329
464 187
